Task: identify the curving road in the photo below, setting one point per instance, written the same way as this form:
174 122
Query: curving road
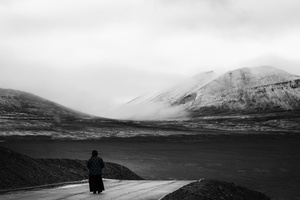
114 189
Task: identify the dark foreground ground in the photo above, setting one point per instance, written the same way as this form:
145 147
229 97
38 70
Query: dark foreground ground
21 172
265 163
214 190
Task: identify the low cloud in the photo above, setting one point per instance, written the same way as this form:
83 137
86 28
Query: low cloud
147 111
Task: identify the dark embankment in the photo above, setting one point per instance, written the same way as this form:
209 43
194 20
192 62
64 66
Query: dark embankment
214 190
18 170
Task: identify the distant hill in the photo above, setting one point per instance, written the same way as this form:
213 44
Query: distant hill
258 89
19 170
14 103
25 114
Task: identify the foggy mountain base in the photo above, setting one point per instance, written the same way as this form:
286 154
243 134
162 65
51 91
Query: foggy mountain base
149 111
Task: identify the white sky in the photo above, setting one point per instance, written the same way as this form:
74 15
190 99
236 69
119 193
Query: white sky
94 55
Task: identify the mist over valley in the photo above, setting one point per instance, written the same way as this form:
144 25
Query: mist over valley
244 101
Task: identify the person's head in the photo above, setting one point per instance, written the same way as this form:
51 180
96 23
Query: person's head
94 153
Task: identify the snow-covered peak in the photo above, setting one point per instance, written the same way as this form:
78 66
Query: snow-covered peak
251 77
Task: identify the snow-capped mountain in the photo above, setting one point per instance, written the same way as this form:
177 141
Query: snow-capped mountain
242 90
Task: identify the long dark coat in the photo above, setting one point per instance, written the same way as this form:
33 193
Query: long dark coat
95 165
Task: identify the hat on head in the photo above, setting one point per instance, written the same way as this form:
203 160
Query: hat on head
94 153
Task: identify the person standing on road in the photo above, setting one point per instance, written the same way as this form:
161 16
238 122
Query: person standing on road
95 166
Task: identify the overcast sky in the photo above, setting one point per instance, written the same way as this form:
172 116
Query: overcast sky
94 55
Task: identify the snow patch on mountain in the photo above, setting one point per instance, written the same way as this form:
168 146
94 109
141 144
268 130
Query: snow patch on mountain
248 88
176 92
250 77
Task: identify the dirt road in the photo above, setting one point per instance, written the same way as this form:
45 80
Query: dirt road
114 189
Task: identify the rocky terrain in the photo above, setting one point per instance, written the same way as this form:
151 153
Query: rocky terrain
280 122
214 190
18 170
276 123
